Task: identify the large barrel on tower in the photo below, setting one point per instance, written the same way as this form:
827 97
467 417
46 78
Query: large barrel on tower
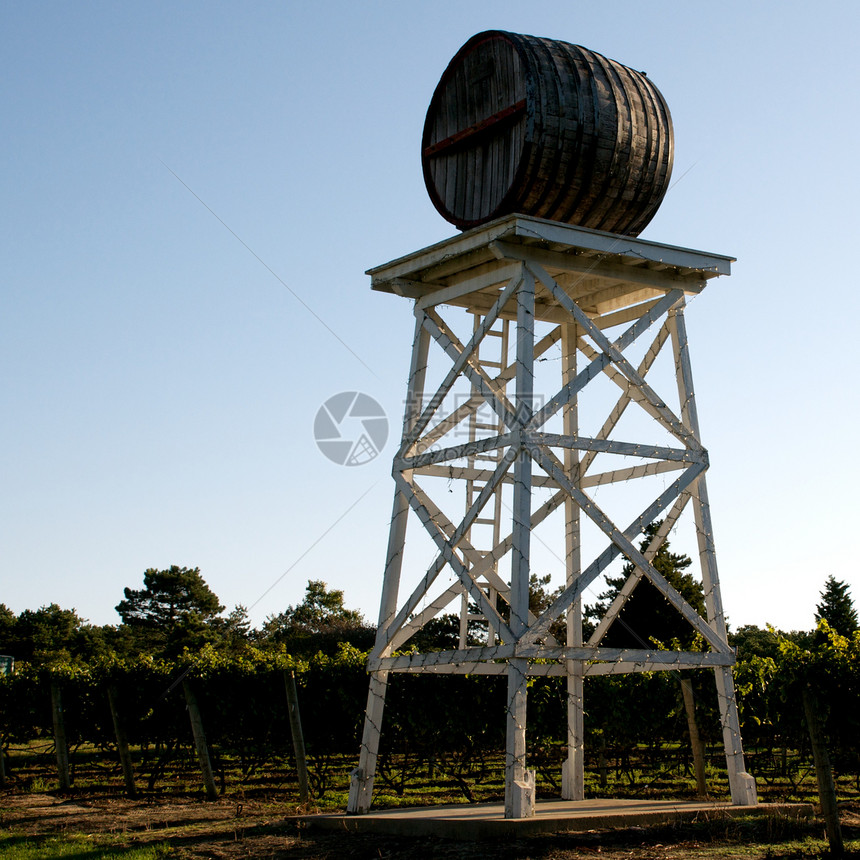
521 124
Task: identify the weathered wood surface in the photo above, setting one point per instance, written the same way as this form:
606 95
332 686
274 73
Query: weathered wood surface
524 124
200 745
121 742
297 734
61 746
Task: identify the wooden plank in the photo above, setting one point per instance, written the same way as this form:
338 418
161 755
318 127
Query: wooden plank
480 380
602 360
618 539
521 514
454 452
462 572
598 267
621 598
522 229
611 446
400 507
599 518
668 419
655 656
630 474
416 622
464 473
622 246
456 538
466 354
494 277
469 136
624 400
710 659
500 381
403 662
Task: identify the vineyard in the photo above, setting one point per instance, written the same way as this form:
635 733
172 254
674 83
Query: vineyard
124 726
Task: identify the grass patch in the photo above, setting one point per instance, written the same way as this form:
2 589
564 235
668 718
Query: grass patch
16 846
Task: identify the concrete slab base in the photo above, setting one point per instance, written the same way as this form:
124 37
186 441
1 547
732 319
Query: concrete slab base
487 821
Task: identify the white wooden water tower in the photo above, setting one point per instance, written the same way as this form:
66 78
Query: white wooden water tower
552 159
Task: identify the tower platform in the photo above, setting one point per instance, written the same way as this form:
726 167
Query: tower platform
603 273
481 821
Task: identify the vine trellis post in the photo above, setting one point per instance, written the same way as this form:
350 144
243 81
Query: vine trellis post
479 423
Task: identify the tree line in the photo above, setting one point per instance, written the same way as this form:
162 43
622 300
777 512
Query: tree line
176 652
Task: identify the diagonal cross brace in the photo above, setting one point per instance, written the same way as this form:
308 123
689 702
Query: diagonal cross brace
455 452
642 324
458 365
500 381
449 342
650 551
621 540
385 640
614 353
625 399
445 548
620 543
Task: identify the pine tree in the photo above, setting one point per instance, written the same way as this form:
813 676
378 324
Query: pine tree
837 607
171 612
319 622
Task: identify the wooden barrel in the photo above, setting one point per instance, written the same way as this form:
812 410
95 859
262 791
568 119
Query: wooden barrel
540 127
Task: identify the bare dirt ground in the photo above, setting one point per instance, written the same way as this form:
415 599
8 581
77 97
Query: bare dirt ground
229 829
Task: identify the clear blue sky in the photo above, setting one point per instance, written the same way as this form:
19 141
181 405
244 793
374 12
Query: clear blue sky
159 383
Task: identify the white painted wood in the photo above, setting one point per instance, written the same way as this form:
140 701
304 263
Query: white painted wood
573 769
620 541
416 622
612 352
741 783
462 412
454 560
472 248
496 341
602 359
362 778
472 284
519 784
458 365
630 449
361 781
583 283
455 539
599 267
472 370
627 589
593 658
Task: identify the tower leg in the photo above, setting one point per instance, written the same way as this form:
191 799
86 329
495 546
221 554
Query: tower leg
741 783
519 782
573 768
361 779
